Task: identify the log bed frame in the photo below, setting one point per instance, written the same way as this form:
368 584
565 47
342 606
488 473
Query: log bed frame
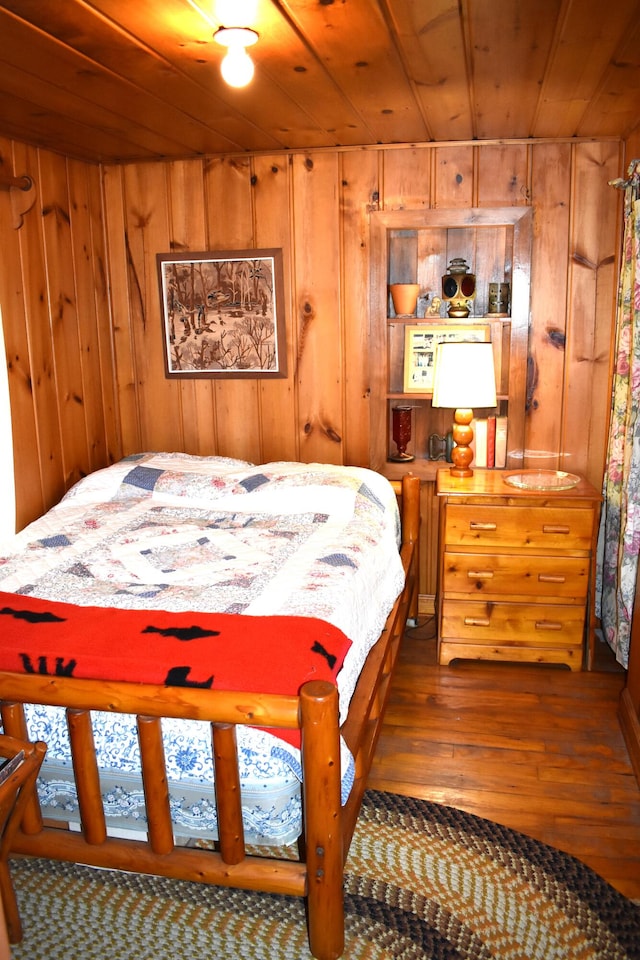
328 827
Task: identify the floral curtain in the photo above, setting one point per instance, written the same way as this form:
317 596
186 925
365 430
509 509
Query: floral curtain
619 541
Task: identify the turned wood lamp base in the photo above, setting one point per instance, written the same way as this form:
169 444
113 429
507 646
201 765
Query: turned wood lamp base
462 454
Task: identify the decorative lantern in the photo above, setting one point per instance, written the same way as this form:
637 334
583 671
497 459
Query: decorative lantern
458 287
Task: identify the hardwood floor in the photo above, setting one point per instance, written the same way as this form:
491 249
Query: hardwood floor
536 748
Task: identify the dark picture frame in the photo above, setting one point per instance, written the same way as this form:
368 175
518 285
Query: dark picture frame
223 314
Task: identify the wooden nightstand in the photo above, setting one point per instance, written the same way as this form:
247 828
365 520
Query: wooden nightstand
515 570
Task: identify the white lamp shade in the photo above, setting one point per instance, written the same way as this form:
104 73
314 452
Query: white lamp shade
464 375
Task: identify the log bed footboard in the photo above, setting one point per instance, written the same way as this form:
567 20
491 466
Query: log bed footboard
328 827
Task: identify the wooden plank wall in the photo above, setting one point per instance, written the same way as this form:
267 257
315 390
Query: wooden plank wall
61 310
57 325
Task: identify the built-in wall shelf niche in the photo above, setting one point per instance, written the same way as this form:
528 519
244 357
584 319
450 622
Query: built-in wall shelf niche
417 246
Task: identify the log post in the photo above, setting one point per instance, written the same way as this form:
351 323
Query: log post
154 779
228 801
322 818
87 777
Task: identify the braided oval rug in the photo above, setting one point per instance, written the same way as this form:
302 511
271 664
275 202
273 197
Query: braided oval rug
423 881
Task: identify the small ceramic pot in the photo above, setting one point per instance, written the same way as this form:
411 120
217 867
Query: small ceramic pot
405 298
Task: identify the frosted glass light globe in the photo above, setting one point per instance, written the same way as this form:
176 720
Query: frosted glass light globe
237 67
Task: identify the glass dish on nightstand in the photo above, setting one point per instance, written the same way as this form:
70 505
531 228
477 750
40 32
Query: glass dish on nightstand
542 480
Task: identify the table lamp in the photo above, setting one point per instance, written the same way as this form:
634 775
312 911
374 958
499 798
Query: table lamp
463 377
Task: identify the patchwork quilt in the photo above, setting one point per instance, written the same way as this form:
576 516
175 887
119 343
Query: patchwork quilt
161 534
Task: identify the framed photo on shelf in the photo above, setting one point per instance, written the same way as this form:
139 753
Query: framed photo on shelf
223 314
420 349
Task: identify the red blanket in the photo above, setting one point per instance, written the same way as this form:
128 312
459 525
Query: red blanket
210 650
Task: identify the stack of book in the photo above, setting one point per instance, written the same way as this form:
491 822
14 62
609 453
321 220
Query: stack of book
489 442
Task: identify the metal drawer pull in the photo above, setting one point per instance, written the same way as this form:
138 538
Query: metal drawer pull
480 574
551 578
477 622
555 528
548 625
476 525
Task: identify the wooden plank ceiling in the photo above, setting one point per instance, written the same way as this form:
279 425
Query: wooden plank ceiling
119 80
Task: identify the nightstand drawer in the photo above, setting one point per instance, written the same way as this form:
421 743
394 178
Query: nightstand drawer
527 528
566 578
513 623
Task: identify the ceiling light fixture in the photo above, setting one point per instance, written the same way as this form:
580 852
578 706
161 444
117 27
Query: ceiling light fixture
237 65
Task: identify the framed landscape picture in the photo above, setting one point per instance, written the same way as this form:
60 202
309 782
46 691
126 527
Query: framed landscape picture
223 314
